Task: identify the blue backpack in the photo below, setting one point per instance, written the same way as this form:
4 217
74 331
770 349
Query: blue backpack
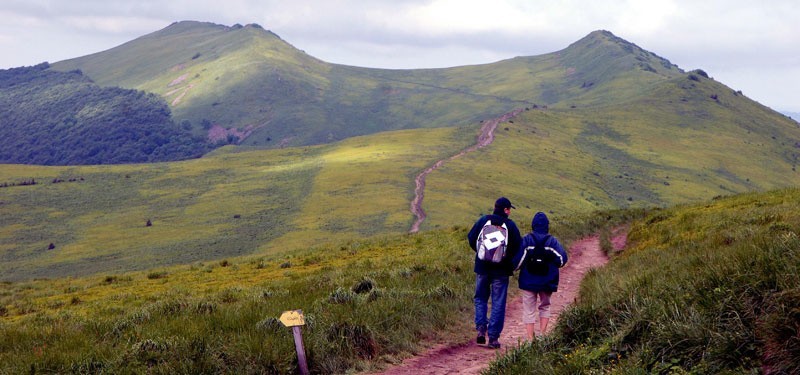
537 258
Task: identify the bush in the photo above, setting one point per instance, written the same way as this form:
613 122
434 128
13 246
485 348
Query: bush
701 72
341 296
365 285
356 338
156 275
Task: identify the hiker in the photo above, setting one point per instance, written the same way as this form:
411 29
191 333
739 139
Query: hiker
492 275
538 259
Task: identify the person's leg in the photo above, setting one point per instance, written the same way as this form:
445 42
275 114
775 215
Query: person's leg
498 316
529 312
544 310
482 289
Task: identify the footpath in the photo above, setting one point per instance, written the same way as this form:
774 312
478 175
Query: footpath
468 358
485 138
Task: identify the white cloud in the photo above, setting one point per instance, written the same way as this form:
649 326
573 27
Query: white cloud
113 24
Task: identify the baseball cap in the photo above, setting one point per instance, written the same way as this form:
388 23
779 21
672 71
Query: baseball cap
503 202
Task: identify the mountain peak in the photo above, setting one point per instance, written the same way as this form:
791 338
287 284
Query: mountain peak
613 48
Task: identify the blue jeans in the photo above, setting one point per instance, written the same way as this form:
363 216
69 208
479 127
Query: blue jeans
497 288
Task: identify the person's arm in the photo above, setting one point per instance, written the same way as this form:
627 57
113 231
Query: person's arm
472 236
520 254
515 240
563 253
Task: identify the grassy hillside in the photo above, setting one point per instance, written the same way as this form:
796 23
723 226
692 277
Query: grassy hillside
687 139
704 289
247 83
265 92
361 300
222 205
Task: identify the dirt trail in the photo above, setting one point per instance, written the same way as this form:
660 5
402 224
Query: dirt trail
466 357
485 138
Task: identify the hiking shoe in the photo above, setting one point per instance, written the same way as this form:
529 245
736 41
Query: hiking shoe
481 335
494 344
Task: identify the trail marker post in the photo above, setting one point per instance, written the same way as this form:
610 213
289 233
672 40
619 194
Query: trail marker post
295 319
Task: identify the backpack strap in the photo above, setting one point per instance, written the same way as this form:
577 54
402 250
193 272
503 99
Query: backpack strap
525 250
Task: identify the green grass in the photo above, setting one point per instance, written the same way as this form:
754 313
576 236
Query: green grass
705 288
709 288
361 300
238 201
227 204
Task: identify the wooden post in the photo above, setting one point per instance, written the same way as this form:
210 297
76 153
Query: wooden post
301 351
295 319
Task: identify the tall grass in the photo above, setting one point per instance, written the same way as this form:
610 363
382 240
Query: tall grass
366 302
363 303
701 289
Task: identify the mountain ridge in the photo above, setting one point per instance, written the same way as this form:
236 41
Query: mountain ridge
251 81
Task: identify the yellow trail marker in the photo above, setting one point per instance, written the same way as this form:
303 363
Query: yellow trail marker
293 318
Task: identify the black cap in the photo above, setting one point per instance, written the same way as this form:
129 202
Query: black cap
503 202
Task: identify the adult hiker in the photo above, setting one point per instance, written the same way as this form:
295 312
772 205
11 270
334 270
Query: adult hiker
539 258
495 239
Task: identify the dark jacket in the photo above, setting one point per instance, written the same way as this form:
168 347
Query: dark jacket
547 281
506 267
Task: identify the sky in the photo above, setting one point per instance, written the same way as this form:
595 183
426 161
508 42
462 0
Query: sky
751 46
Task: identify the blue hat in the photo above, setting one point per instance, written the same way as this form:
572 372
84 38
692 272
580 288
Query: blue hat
503 202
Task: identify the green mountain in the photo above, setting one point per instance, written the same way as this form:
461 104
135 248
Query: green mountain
246 82
602 124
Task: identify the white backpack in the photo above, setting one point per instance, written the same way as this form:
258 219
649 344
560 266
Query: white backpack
492 242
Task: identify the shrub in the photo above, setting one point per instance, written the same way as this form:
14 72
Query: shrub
365 285
156 275
356 338
341 296
271 325
205 308
441 291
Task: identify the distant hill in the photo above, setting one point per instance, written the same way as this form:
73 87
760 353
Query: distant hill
63 118
247 82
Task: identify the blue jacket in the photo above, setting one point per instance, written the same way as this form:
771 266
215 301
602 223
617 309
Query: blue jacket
547 281
506 267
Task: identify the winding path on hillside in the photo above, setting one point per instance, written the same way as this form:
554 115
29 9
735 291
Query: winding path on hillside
485 138
465 357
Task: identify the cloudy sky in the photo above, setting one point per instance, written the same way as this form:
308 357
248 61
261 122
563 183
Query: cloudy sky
752 46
